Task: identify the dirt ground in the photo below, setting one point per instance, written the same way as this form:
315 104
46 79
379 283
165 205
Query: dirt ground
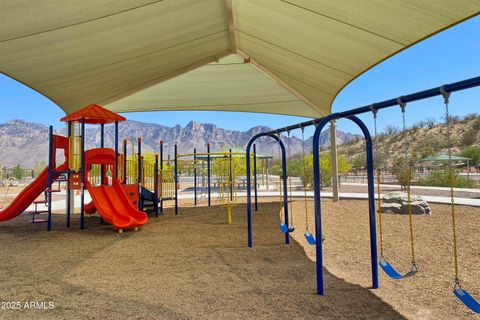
428 294
195 266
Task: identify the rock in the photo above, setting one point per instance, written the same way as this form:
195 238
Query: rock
397 202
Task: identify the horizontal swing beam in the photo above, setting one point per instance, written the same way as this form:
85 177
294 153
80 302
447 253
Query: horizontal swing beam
420 95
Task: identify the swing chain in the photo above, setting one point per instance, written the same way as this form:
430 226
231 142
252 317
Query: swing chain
408 172
446 101
379 201
304 180
289 179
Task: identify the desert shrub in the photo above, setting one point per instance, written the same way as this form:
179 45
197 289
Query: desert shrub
476 123
435 143
390 130
454 119
442 179
431 123
419 125
471 116
399 171
472 152
469 137
359 162
424 151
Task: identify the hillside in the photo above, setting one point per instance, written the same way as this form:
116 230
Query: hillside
424 139
24 142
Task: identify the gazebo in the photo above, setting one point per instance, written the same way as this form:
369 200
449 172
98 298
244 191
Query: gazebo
444 159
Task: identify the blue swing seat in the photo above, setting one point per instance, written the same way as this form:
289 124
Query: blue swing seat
392 273
310 238
389 270
466 299
286 229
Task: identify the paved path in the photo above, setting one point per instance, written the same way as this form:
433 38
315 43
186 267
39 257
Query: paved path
415 187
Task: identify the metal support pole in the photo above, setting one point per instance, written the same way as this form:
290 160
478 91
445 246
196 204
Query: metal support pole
249 185
208 175
255 191
371 199
161 181
51 155
69 192
83 172
333 152
116 149
230 173
176 177
125 178
155 182
102 145
195 176
139 173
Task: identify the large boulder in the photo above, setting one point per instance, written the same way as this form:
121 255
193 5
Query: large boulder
397 202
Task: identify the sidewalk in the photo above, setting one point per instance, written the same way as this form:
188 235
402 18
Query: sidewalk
414 187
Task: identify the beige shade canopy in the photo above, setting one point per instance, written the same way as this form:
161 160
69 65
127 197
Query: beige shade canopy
285 57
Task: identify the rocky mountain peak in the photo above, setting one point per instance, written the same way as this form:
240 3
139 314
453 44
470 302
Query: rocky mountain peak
24 142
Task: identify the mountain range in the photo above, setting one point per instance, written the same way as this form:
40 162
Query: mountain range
24 142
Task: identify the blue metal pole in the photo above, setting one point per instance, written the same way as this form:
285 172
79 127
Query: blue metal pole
420 95
318 215
102 145
195 176
209 189
255 175
82 172
139 173
371 198
51 155
155 181
161 169
249 185
116 149
230 173
176 177
125 178
285 193
69 192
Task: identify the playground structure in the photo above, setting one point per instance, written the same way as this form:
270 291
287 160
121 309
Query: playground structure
286 227
219 168
94 170
121 184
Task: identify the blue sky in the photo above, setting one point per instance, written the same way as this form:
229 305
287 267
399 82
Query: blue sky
450 56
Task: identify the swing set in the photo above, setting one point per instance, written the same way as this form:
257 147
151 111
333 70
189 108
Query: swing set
289 228
376 261
384 264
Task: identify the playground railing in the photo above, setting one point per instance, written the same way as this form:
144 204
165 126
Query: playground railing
167 185
131 172
148 175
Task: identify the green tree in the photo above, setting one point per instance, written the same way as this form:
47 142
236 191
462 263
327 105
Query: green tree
39 166
469 137
399 170
472 152
18 172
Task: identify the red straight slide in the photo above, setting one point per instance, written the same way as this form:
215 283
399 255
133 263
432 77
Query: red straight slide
29 194
114 206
